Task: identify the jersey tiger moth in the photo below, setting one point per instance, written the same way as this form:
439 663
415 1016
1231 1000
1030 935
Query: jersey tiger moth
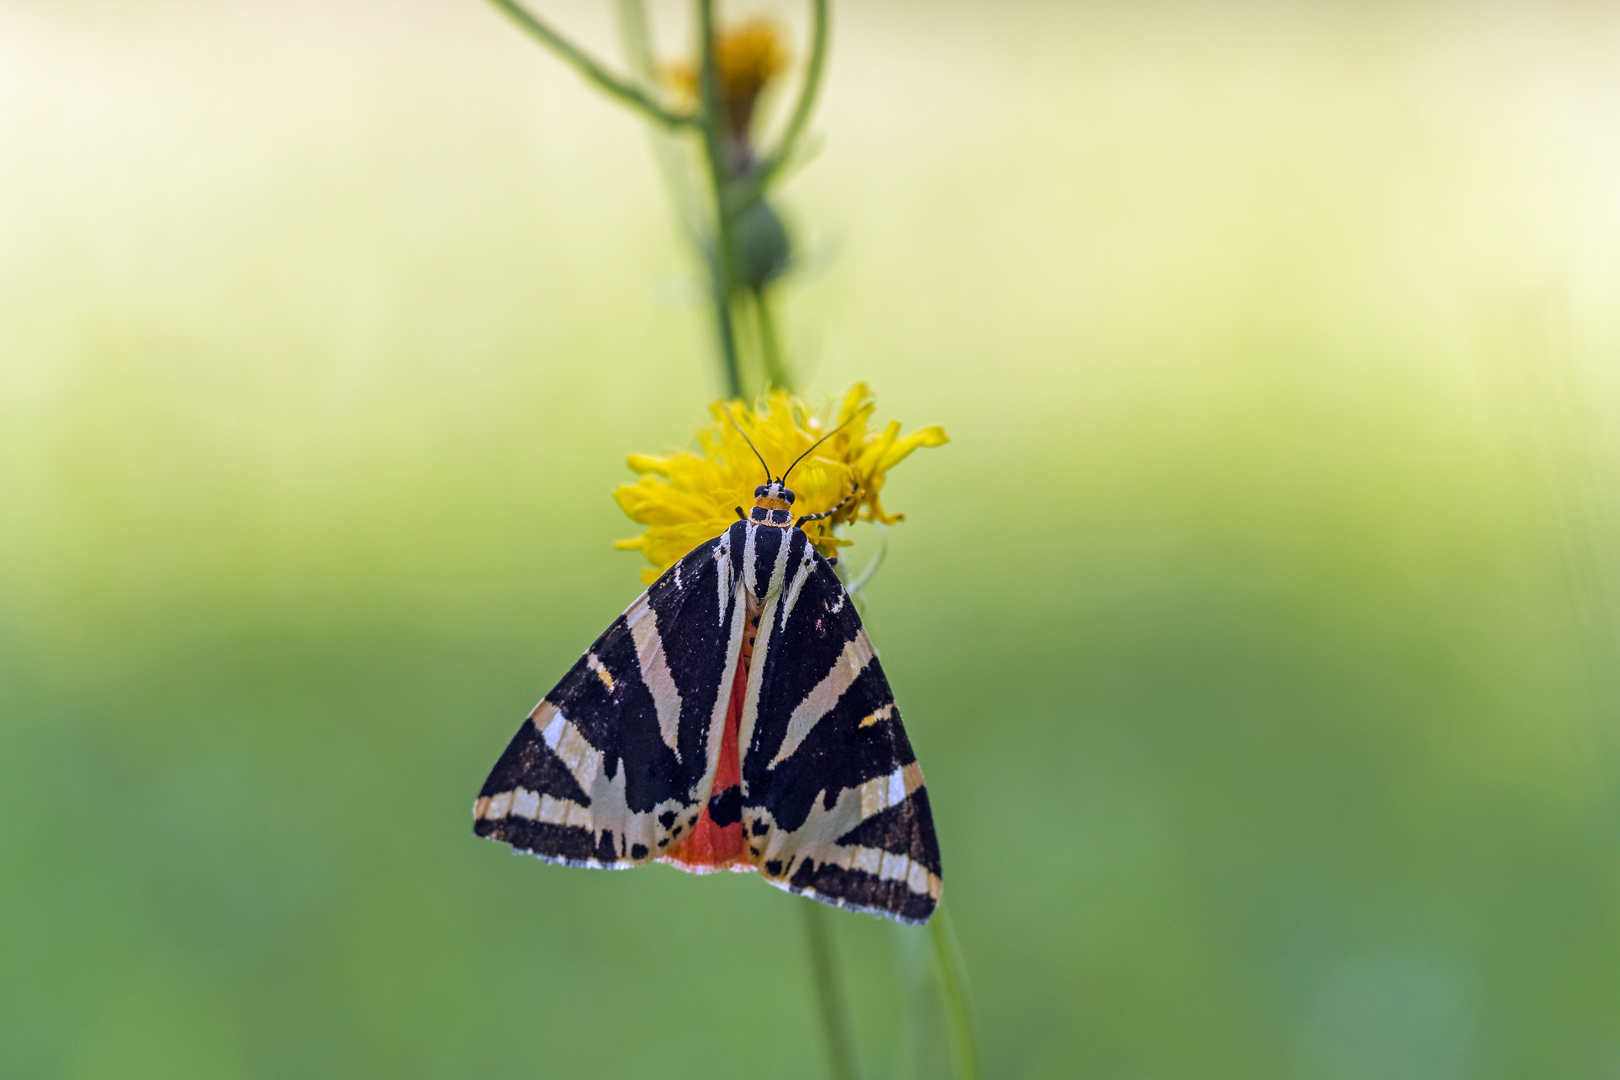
735 717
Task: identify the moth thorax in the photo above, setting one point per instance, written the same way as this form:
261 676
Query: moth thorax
773 504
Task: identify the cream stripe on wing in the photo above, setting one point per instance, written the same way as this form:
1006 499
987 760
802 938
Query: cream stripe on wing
816 839
723 572
764 636
756 674
886 866
779 568
820 700
748 555
655 671
806 568
583 760
737 599
891 789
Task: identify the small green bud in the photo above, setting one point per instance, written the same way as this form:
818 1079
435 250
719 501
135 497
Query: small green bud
764 251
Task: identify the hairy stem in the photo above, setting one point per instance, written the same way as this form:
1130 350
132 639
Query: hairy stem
829 991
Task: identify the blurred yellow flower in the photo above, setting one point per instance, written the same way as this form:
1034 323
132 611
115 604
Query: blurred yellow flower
747 56
689 496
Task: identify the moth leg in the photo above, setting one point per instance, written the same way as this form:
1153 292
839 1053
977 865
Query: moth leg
853 491
740 514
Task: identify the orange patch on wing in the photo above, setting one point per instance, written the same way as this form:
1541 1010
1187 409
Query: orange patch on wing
710 847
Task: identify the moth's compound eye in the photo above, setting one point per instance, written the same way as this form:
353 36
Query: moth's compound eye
761 491
788 496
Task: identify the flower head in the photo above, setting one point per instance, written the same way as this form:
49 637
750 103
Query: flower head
747 56
689 496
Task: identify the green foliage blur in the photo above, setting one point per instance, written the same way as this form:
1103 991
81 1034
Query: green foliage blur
1257 631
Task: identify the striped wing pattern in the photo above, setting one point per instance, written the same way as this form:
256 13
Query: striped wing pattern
615 764
618 762
833 799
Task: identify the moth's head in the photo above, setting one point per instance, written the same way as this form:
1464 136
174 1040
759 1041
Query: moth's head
772 499
772 503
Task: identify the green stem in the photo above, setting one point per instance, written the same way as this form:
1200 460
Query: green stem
636 39
829 995
713 117
725 329
588 67
753 185
770 349
953 980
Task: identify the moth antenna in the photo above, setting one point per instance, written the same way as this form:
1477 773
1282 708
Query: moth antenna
751 446
813 445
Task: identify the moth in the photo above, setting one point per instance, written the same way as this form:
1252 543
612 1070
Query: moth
735 717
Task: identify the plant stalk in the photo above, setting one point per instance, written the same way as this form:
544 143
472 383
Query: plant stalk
752 186
829 991
953 980
591 69
770 347
636 38
721 258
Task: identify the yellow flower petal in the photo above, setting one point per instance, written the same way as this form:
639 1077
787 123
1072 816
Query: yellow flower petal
688 497
647 463
902 448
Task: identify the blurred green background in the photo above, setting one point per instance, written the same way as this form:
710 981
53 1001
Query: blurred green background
1257 631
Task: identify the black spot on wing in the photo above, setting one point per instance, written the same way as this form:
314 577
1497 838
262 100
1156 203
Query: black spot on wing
638 851
906 828
726 807
857 888
529 763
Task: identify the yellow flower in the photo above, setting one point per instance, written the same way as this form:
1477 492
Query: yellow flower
747 56
690 496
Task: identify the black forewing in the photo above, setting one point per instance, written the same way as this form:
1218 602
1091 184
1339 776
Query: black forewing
858 741
608 698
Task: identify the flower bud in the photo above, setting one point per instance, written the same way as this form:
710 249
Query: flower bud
764 251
